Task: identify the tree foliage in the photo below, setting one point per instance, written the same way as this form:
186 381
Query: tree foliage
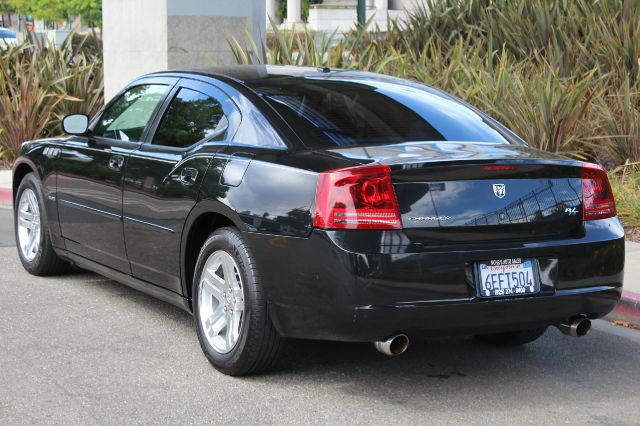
58 10
282 8
6 7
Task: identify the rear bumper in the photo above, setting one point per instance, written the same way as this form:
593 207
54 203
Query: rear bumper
473 316
366 285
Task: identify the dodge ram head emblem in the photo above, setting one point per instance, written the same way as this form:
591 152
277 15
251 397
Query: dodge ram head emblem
499 190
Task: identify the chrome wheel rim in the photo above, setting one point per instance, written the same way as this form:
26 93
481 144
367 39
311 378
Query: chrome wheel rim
221 301
28 224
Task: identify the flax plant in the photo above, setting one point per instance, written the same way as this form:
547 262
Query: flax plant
39 84
564 75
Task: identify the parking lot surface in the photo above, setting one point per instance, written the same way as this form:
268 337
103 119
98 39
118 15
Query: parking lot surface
81 349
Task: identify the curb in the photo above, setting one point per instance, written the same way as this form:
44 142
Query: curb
6 197
628 308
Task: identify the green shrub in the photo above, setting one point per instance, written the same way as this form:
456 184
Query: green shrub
40 84
565 75
626 189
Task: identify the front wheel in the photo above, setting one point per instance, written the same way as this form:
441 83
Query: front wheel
512 338
32 230
230 308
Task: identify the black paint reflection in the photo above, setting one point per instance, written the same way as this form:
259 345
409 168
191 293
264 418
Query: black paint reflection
547 200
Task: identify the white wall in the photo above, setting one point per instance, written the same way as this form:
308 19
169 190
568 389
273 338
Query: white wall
142 36
199 30
253 10
329 19
408 5
134 40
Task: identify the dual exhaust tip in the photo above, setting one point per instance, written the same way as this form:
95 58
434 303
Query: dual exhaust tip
393 345
576 327
397 344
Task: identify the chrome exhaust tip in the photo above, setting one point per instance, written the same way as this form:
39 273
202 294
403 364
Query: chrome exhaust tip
393 345
577 327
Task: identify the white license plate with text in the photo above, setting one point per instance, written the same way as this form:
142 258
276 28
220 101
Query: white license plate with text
507 277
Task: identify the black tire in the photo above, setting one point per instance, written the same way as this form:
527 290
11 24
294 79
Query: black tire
512 338
46 261
258 345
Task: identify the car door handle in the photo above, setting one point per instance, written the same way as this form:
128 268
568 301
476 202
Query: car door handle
116 162
188 176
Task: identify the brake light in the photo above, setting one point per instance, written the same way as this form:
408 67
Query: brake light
498 168
597 197
356 198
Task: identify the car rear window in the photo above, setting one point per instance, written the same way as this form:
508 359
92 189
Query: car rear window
333 113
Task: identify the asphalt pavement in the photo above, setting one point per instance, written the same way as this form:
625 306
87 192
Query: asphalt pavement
7 238
81 349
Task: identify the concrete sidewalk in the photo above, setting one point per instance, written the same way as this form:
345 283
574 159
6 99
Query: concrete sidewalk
6 198
627 310
629 307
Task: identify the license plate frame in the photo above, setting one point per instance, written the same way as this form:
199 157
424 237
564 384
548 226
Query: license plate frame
507 288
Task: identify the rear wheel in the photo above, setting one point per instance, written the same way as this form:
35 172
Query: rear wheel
512 338
32 230
230 308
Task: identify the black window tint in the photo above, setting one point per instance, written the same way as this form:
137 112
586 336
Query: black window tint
330 113
128 116
191 117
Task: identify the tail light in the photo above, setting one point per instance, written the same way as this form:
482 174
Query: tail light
498 168
597 197
356 198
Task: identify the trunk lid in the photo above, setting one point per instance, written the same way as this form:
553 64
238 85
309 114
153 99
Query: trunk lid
471 192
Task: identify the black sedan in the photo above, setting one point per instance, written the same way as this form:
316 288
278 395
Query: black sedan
282 202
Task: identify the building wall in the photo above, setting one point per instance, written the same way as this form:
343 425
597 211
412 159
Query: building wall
405 4
199 30
134 40
142 36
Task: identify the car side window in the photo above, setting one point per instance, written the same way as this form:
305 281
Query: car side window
128 116
191 117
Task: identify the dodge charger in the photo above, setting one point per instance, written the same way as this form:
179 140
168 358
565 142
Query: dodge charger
285 202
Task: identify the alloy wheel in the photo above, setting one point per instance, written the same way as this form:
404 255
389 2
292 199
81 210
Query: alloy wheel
28 224
221 301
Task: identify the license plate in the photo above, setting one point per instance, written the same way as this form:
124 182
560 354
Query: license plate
507 277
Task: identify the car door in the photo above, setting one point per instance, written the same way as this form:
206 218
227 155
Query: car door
91 169
164 174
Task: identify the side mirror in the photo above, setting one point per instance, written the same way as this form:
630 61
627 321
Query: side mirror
75 124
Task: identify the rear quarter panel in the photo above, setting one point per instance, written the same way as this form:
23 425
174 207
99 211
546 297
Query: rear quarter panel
271 198
273 206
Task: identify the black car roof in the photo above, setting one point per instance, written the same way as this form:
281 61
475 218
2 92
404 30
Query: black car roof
248 74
